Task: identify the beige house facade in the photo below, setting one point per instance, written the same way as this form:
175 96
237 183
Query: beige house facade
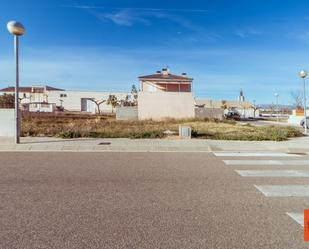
165 95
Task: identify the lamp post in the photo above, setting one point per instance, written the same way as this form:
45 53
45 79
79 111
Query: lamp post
303 74
16 29
277 96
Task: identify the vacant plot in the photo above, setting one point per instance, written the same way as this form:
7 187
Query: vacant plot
68 125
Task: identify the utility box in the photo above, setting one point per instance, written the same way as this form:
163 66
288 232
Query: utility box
185 132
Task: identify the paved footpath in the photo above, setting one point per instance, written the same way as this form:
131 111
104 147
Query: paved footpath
297 145
152 200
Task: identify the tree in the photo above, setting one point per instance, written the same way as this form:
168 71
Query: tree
297 99
255 108
112 100
7 101
98 103
224 104
134 92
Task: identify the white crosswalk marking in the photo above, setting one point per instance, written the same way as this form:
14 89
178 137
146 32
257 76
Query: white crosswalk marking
254 154
267 162
284 190
273 173
252 162
298 217
286 161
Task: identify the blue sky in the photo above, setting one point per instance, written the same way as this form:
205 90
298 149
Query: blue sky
256 45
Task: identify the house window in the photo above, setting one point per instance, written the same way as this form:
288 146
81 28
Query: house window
63 95
25 95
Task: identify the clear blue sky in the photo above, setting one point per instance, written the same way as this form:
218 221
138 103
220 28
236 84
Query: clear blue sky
256 45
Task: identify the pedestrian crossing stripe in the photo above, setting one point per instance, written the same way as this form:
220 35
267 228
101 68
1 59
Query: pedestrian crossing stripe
298 217
273 173
254 154
267 162
284 190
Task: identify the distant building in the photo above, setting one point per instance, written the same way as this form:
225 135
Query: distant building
34 98
165 95
48 99
164 81
38 94
241 97
81 101
244 108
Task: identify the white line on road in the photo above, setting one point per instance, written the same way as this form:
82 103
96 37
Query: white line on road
252 162
273 173
298 217
267 162
254 154
284 190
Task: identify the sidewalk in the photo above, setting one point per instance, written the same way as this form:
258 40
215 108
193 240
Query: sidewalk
296 145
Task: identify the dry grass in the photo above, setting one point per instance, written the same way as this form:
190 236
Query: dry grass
69 125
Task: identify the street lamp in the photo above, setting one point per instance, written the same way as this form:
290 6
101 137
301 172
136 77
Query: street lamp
16 29
303 74
277 96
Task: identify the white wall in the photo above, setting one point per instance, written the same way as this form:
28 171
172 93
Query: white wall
7 123
247 112
73 100
160 105
294 119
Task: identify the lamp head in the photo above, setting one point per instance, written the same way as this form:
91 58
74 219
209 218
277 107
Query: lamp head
303 74
15 28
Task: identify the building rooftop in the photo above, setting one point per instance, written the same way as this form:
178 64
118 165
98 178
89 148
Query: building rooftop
21 89
29 89
166 76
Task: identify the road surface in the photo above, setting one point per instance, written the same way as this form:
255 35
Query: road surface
152 200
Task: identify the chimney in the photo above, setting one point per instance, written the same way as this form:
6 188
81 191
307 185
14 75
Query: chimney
165 71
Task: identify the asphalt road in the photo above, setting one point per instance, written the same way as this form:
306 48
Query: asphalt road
139 200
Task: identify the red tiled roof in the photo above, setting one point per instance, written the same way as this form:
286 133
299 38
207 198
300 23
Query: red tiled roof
12 89
168 77
29 89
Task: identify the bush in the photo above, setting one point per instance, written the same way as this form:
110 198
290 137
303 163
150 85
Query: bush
69 134
7 101
148 134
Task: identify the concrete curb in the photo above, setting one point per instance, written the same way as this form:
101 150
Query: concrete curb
297 146
35 148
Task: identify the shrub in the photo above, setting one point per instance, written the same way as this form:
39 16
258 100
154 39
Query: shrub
69 134
7 101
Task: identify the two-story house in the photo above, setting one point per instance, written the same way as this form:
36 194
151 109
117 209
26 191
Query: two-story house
165 95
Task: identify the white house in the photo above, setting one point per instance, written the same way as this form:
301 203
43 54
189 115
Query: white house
47 99
81 101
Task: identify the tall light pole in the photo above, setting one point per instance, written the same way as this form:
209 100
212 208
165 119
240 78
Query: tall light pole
303 74
277 96
16 29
